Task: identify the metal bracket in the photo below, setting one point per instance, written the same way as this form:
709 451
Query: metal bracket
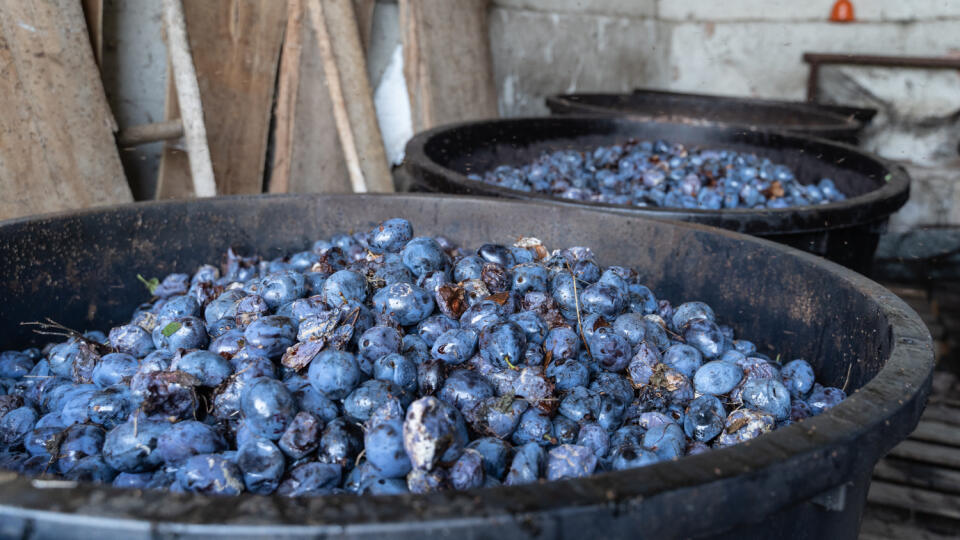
818 59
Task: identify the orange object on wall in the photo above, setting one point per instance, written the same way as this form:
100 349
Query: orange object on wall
842 11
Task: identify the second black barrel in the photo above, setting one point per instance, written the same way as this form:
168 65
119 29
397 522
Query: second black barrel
846 232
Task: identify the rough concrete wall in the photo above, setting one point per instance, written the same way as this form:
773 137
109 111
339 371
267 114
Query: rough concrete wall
746 47
808 10
755 47
538 53
764 58
610 8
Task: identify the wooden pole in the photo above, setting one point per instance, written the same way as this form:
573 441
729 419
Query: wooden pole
188 97
364 10
93 13
288 84
344 65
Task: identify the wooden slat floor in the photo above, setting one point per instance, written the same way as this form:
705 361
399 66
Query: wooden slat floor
915 492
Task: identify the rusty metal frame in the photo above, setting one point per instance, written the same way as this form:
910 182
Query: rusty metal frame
922 62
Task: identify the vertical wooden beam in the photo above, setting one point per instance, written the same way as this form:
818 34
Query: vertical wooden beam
344 65
235 47
57 150
447 61
364 10
173 174
188 97
308 156
288 84
93 13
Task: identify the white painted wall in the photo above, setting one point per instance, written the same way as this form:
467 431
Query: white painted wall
764 58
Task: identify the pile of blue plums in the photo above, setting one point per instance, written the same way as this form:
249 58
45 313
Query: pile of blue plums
663 174
383 363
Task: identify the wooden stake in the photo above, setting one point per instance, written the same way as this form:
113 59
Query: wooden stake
173 175
447 62
308 155
345 67
288 84
93 13
188 97
364 10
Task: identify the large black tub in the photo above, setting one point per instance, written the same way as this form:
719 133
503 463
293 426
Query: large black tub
828 121
847 232
808 480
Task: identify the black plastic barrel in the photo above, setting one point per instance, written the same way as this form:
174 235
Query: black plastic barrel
864 115
807 480
847 232
696 109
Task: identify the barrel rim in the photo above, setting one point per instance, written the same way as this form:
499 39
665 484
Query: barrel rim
829 124
889 403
